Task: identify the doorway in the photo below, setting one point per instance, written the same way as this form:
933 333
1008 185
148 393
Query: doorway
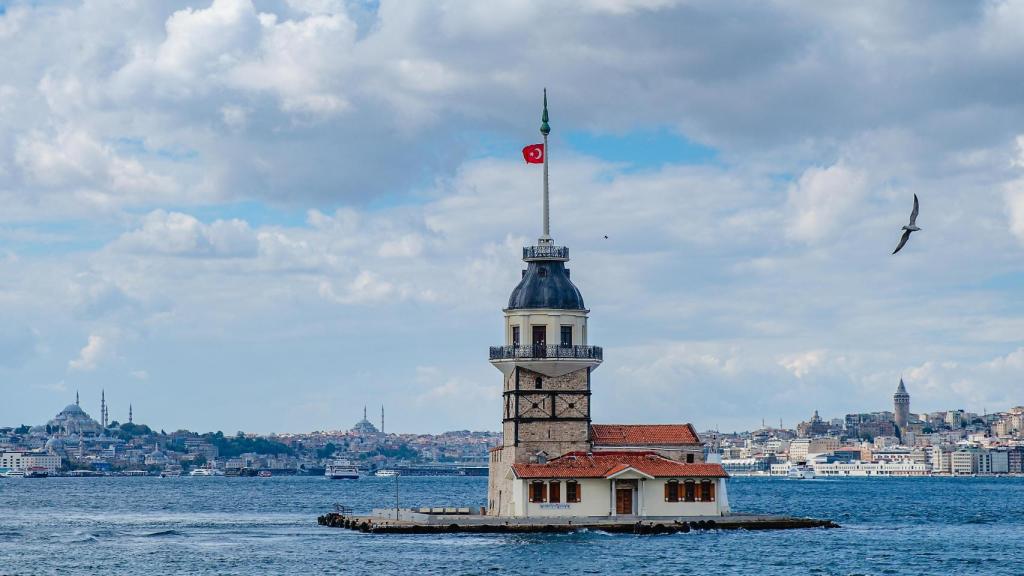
624 501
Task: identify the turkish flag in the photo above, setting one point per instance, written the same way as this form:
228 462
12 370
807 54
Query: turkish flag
534 154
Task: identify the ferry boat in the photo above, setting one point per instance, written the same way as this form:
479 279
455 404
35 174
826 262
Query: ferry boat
264 474
36 472
386 473
342 470
207 470
14 474
800 473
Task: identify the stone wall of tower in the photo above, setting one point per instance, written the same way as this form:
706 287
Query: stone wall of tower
531 421
901 410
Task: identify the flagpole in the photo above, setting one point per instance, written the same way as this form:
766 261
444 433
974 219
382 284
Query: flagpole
544 130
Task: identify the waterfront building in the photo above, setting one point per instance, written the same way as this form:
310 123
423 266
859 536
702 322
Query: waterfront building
872 469
553 461
24 461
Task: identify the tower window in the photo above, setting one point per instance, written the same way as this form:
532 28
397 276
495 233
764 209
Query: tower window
566 335
535 406
538 383
689 458
515 335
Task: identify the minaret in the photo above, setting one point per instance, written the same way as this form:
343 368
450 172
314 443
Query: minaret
381 418
901 407
545 363
129 413
76 398
103 408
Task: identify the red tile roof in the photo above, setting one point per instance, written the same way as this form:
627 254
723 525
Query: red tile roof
605 464
643 434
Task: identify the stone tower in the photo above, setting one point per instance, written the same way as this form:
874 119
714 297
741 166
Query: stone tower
901 407
545 363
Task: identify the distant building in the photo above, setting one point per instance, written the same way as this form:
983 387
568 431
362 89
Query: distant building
364 426
901 407
24 461
815 427
73 421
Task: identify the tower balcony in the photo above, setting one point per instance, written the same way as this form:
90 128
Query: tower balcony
545 252
550 360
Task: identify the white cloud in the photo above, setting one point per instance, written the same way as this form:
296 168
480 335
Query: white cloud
802 364
91 354
177 234
822 200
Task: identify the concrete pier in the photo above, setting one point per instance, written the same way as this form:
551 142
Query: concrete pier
415 522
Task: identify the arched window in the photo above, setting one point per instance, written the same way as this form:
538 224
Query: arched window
672 491
573 491
538 491
707 491
690 491
538 383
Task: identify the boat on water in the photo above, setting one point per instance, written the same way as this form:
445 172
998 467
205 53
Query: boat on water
386 473
14 474
207 470
264 474
171 471
800 473
36 472
342 470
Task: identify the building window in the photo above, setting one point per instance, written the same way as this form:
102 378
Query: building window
515 335
538 492
672 491
690 492
566 335
573 491
707 491
540 335
538 383
689 458
555 492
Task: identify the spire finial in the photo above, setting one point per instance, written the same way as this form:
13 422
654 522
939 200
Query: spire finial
544 128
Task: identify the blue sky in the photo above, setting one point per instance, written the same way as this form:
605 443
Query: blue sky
262 215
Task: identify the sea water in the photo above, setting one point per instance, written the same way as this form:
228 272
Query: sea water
217 525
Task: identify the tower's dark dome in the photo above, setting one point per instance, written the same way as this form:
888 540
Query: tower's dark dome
546 284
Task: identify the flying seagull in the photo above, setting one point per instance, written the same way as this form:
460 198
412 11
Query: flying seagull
605 236
912 227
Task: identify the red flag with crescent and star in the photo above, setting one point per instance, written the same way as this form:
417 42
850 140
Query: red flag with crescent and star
534 154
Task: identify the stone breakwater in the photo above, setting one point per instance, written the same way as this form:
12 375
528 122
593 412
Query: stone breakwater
490 525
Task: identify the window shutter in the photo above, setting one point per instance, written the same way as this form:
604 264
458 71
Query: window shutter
543 492
712 492
579 492
666 491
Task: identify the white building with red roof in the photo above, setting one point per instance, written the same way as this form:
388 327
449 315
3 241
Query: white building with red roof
553 461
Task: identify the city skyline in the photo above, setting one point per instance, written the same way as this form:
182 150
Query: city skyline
265 215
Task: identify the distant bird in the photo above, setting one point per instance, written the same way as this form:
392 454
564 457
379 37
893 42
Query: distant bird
912 227
605 236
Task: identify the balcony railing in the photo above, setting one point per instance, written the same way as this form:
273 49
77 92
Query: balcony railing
545 253
545 351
